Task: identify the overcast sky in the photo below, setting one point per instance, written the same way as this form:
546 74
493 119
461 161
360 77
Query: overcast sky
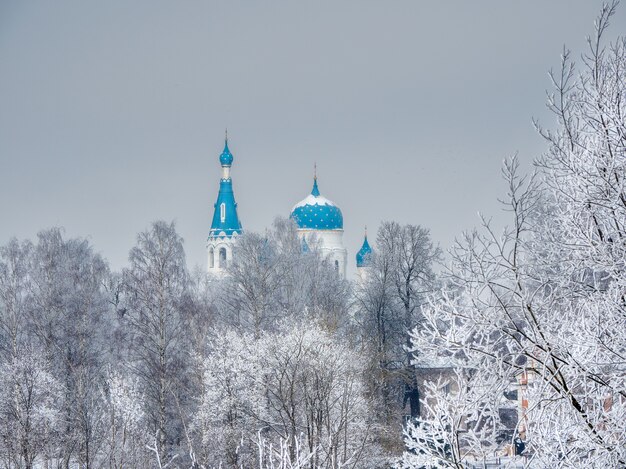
112 113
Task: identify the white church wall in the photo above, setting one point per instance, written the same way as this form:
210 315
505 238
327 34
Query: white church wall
330 243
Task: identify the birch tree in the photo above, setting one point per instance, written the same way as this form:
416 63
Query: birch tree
66 308
156 285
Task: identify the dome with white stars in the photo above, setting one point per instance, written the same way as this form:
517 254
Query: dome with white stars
316 212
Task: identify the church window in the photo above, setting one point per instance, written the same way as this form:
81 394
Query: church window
211 258
223 212
336 266
222 258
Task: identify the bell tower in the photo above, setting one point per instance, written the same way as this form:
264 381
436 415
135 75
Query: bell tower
225 226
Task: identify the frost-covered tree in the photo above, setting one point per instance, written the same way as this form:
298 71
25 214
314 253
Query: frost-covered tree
230 396
411 254
274 276
29 413
542 307
297 388
14 290
66 310
156 287
52 307
388 305
127 429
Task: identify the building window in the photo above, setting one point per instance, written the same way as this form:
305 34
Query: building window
222 258
211 258
223 212
336 266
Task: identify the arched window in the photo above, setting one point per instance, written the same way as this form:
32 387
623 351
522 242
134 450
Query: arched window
336 266
222 258
223 212
211 258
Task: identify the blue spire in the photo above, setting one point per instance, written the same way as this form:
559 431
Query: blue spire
315 192
364 256
225 219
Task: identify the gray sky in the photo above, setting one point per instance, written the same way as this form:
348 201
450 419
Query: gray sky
112 113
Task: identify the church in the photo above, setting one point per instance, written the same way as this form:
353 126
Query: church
318 221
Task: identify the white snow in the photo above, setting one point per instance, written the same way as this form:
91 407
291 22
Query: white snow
312 200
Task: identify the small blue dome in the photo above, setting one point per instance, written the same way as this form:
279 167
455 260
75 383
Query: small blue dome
364 256
316 212
226 158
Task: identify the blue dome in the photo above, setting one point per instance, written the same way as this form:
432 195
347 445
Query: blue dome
317 212
364 256
226 158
